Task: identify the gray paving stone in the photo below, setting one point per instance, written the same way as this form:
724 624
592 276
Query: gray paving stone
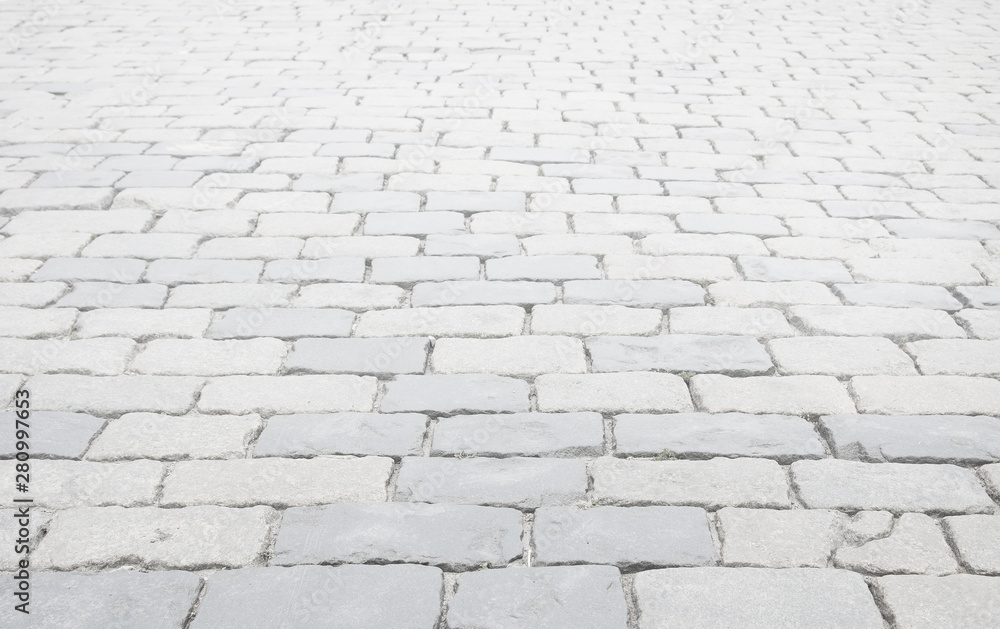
964 357
896 487
454 394
896 323
926 395
277 482
635 293
17 200
105 357
66 484
512 356
193 538
173 272
424 269
165 438
476 201
372 356
451 537
322 597
976 538
986 297
587 597
633 392
360 246
414 223
840 356
764 269
114 600
931 228
480 245
712 598
121 270
523 483
787 538
755 225
55 435
961 601
142 324
757 322
773 294
396 435
315 270
738 355
482 293
145 246
524 434
914 438
114 395
587 320
281 323
241 395
710 484
205 357
90 295
629 538
481 321
35 323
789 395
915 546
553 268
700 435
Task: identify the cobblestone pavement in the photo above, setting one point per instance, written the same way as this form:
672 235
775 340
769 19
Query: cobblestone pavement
501 314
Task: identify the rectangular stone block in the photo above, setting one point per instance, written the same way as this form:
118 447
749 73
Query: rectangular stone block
840 356
173 272
141 324
961 357
90 295
114 395
634 293
513 356
482 292
277 482
481 321
738 355
287 394
523 483
711 484
55 435
962 601
424 269
555 268
315 270
634 392
153 436
396 435
901 324
286 323
914 438
205 357
587 320
785 538
122 270
757 322
459 393
102 357
524 434
372 356
926 395
35 323
67 484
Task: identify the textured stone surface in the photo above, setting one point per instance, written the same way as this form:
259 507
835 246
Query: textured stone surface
397 434
766 538
546 598
630 538
55 435
473 393
914 438
976 538
514 356
962 601
359 356
299 394
793 395
704 598
153 436
611 393
915 546
528 434
926 395
738 355
452 537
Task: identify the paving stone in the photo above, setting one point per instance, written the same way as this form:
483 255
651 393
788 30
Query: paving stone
983 324
164 438
546 598
78 220
518 224
281 323
987 297
318 270
192 538
90 295
943 272
144 246
963 357
141 324
451 537
452 394
262 247
322 597
766 538
205 222
634 392
707 244
55 245
423 269
839 356
755 294
758 322
480 245
376 202
66 484
524 483
710 484
915 546
482 293
373 356
210 358
396 434
976 538
895 295
926 395
700 435
115 394
588 320
481 321
542 267
576 244
17 269
914 438
122 270
754 225
115 599
635 293
962 601
525 434
741 355
703 598
896 487
284 202
360 246
414 223
20 199
241 395
55 435
762 269
901 324
224 296
694 268
512 356
103 357
931 228
629 538
172 272
792 395
277 482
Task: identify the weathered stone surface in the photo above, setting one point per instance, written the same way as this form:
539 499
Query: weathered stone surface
612 393
193 538
840 356
896 487
589 320
915 546
527 434
482 321
512 482
277 482
926 395
588 597
114 395
710 484
791 395
450 394
372 356
322 597
54 435
205 357
281 323
791 538
634 293
738 355
153 436
914 438
895 295
710 598
288 394
630 538
452 537
757 322
482 293
114 599
66 484
963 357
396 434
513 356
976 538
960 601
700 435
